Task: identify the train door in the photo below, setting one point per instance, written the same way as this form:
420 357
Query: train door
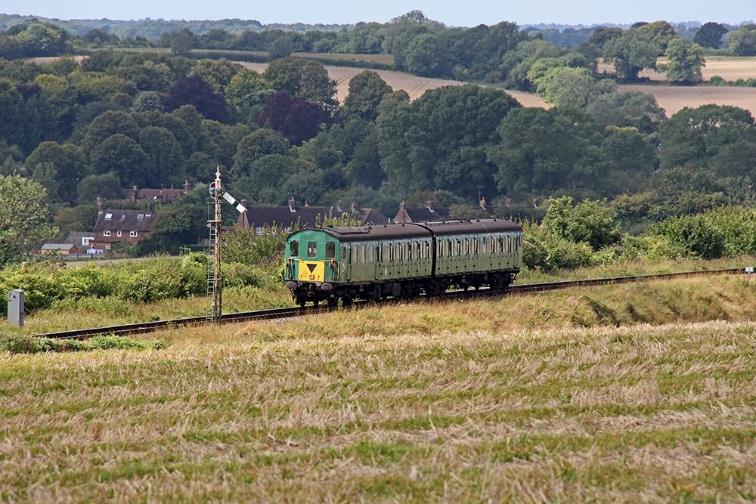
346 263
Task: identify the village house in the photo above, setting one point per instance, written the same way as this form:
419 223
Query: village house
425 214
59 249
292 216
156 196
82 239
121 226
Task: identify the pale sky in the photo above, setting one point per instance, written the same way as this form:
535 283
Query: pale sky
456 13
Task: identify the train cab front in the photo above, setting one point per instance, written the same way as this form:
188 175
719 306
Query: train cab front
311 266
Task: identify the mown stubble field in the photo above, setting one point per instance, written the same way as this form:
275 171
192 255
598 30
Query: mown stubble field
528 399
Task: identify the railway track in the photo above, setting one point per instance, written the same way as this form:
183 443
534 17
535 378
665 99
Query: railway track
283 313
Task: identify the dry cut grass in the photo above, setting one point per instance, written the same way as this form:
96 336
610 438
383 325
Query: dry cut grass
405 403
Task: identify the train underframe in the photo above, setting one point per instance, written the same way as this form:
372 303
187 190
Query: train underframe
333 294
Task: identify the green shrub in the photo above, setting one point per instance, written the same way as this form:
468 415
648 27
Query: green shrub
85 281
28 345
591 222
38 282
241 275
153 281
543 250
729 231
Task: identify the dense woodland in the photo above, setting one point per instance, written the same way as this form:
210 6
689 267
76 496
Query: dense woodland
121 119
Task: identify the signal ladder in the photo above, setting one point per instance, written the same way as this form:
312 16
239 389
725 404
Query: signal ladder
211 283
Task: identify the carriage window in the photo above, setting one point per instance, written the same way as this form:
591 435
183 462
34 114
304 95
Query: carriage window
294 248
312 249
330 250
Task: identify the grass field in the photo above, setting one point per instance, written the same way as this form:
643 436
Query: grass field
96 312
461 402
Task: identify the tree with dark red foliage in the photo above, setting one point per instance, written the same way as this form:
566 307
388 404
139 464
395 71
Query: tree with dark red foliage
192 90
295 118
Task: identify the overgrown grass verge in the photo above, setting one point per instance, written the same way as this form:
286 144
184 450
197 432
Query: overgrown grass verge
631 267
29 345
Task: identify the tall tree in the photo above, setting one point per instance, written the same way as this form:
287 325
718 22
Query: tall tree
257 144
439 140
366 90
303 79
695 135
23 217
296 119
123 156
546 150
193 90
69 163
685 62
742 42
710 35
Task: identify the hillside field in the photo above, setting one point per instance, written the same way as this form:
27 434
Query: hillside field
671 98
730 68
615 394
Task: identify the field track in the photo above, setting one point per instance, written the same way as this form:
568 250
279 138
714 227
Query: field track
281 313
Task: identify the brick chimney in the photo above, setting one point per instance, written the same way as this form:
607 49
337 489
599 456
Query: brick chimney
134 194
99 204
292 205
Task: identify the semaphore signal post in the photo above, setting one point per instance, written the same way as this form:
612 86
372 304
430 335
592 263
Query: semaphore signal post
214 272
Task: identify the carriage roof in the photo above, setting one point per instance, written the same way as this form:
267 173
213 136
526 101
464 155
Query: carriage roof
418 230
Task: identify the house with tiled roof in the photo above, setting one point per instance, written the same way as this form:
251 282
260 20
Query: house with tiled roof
428 213
291 216
115 225
156 196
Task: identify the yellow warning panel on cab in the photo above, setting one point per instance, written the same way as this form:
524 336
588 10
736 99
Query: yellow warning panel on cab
311 271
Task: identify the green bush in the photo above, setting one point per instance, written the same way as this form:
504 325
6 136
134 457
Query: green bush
591 222
28 345
544 250
724 232
39 284
153 281
241 275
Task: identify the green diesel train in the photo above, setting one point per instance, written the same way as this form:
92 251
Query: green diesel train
401 260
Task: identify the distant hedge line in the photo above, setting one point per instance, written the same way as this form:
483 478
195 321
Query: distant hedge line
141 282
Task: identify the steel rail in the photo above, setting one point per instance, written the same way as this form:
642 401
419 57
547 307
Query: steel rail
281 313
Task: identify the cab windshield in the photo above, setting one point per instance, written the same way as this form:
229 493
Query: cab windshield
294 248
312 249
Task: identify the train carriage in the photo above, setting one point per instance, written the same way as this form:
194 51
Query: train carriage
400 260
